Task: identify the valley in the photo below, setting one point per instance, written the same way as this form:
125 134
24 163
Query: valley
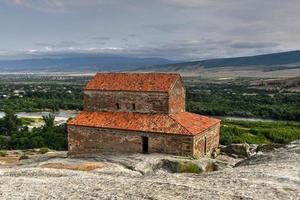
273 98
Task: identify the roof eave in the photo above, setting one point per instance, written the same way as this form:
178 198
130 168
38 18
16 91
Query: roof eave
162 133
103 90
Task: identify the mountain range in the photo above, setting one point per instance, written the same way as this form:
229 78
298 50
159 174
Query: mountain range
93 63
274 61
80 63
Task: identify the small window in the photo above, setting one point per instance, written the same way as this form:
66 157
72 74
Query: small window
118 106
133 106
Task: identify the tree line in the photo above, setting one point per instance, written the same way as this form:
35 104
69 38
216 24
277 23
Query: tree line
15 135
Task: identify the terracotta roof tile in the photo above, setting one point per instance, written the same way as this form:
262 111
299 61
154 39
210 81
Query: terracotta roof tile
194 123
183 123
152 82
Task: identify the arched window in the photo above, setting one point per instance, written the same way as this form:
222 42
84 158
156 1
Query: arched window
118 106
133 106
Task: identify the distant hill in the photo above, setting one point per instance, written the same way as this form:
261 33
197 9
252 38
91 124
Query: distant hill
80 63
93 63
274 61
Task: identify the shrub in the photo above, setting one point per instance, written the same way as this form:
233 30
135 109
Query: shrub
26 120
188 167
251 139
23 157
3 142
231 135
3 153
44 150
226 138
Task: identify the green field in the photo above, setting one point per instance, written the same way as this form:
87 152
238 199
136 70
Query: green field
259 132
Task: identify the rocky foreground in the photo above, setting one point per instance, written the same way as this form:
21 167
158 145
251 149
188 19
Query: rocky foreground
268 174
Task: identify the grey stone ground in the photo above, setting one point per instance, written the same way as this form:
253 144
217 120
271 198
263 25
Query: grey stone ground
272 175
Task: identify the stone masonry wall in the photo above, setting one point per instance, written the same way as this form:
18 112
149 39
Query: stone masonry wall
177 98
122 101
95 140
212 136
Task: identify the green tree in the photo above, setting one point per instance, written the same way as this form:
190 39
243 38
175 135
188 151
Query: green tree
10 122
49 120
3 142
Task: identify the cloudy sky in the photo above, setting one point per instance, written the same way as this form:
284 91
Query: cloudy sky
174 29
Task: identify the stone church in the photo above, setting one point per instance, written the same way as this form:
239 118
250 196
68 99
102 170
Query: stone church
140 112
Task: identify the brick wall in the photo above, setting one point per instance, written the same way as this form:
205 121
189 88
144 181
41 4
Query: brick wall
96 140
122 101
177 98
212 141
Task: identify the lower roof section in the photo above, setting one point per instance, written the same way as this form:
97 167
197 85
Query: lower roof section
184 123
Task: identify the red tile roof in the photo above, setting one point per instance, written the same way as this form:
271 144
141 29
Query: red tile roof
194 123
182 123
149 82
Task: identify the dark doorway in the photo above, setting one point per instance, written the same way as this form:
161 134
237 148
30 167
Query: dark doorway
205 146
145 145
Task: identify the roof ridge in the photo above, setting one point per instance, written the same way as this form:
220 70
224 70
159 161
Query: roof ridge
170 115
147 82
167 73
